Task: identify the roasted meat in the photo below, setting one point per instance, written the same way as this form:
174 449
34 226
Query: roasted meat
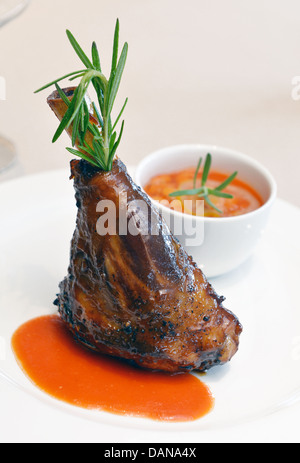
136 294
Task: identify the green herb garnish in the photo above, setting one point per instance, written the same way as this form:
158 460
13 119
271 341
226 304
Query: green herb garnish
105 139
204 192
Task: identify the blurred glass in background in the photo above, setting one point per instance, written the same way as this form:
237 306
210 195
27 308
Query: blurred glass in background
9 164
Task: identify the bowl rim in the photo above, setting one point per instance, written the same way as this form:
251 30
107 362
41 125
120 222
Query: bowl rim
256 164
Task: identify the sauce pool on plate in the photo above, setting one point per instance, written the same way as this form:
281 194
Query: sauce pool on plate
245 198
51 358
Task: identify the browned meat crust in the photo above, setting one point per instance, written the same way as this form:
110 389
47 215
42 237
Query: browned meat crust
138 296
141 298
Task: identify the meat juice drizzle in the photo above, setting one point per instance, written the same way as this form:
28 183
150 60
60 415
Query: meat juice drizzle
58 365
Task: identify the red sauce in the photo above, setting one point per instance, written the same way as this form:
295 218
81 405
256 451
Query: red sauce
59 366
245 198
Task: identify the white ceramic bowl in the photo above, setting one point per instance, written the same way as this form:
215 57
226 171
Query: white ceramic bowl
219 245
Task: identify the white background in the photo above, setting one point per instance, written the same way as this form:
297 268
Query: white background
199 71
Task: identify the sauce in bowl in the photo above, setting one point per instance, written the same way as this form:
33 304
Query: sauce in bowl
245 198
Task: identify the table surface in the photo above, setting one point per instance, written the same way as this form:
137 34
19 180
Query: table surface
207 72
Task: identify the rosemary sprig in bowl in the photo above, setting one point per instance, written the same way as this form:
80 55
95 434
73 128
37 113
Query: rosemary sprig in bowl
105 139
205 192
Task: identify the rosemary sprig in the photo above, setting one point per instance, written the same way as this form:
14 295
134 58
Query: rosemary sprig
105 139
205 192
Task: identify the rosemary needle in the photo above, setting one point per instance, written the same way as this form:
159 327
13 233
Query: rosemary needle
105 142
205 192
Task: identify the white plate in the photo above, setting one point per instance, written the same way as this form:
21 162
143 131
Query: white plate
261 383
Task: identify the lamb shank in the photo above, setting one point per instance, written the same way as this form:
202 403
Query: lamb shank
131 290
138 296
